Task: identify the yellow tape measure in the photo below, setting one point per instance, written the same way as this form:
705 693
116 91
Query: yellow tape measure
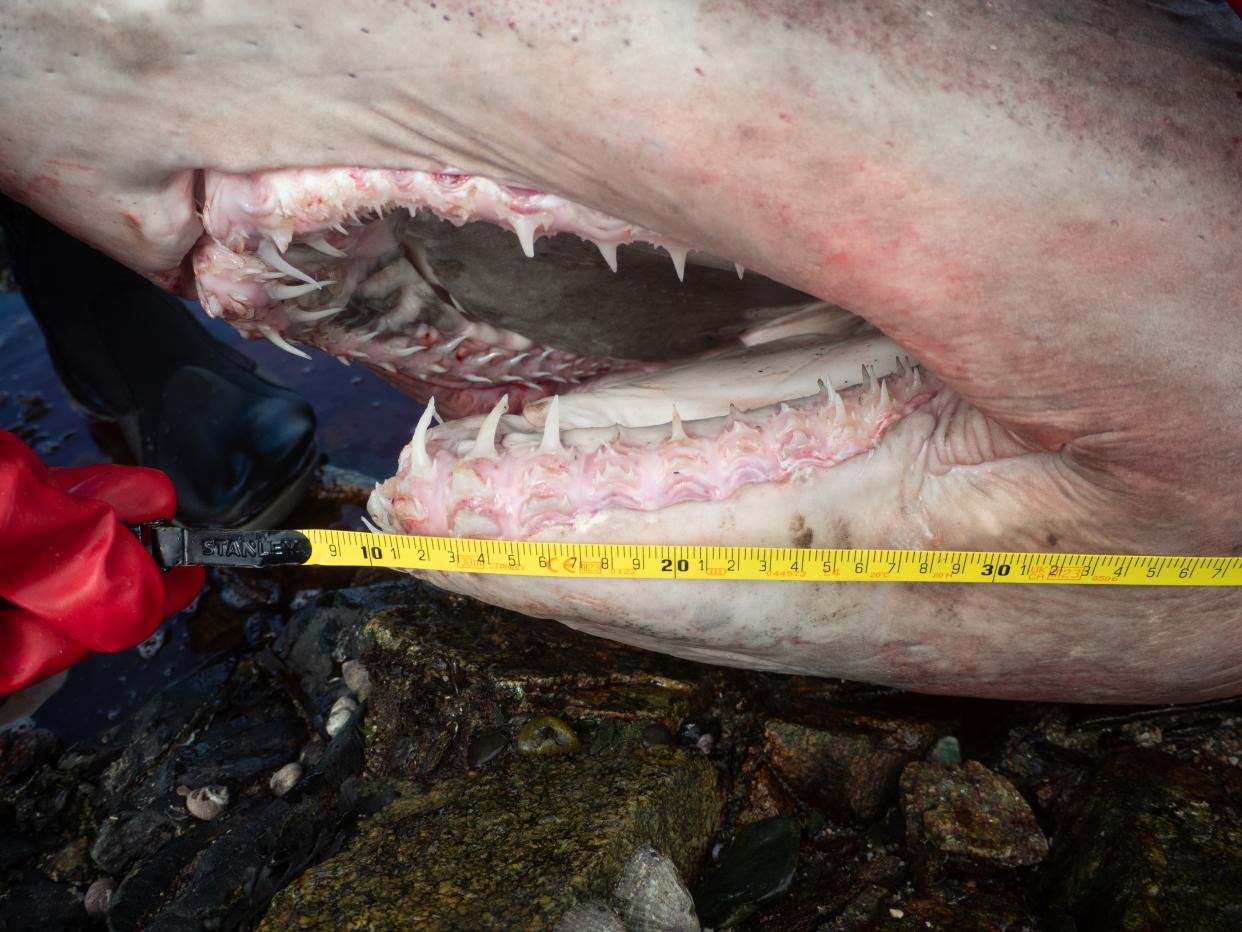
652 561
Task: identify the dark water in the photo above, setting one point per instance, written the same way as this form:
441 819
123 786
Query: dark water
363 423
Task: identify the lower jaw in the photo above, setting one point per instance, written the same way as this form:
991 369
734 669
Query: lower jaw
498 476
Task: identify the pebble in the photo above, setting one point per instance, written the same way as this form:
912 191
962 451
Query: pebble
357 679
97 897
207 802
284 779
545 736
946 750
756 868
485 746
340 714
151 646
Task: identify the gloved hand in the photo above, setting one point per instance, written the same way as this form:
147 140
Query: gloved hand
73 578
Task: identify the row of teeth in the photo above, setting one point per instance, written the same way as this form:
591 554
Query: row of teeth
277 206
518 439
527 230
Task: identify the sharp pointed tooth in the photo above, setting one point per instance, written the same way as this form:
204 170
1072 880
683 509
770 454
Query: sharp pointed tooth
552 428
277 340
319 244
368 337
453 343
901 370
419 458
370 525
485 442
678 432
268 253
609 252
741 269
286 292
409 350
524 227
340 228
305 317
866 379
917 382
884 399
678 255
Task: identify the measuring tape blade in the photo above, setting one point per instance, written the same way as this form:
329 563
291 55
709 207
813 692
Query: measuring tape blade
657 561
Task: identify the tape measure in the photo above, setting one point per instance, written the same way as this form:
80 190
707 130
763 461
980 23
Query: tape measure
177 546
777 564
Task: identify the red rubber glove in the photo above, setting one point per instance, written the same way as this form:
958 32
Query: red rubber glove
73 579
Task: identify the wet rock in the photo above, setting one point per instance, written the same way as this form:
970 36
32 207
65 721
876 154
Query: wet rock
756 867
1151 843
972 911
485 746
847 764
969 814
221 874
22 751
246 591
121 841
547 736
442 665
516 845
36 902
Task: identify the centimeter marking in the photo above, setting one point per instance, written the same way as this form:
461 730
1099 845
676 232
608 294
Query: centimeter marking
654 561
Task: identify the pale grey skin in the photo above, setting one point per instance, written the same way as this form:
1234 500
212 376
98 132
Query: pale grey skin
1039 200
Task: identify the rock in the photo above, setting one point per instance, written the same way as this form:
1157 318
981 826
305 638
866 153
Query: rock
221 874
970 815
656 734
755 868
848 763
286 778
245 591
976 911
443 666
512 847
357 679
342 709
485 746
1151 843
22 751
546 736
946 750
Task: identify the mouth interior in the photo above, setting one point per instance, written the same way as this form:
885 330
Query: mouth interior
585 372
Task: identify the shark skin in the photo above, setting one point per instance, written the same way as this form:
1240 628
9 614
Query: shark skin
1037 201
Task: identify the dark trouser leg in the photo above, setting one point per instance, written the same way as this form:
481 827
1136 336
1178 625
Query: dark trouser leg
235 442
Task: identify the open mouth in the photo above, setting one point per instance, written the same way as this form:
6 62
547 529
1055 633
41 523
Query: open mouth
586 371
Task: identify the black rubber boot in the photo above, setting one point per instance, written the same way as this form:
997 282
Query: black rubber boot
238 444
